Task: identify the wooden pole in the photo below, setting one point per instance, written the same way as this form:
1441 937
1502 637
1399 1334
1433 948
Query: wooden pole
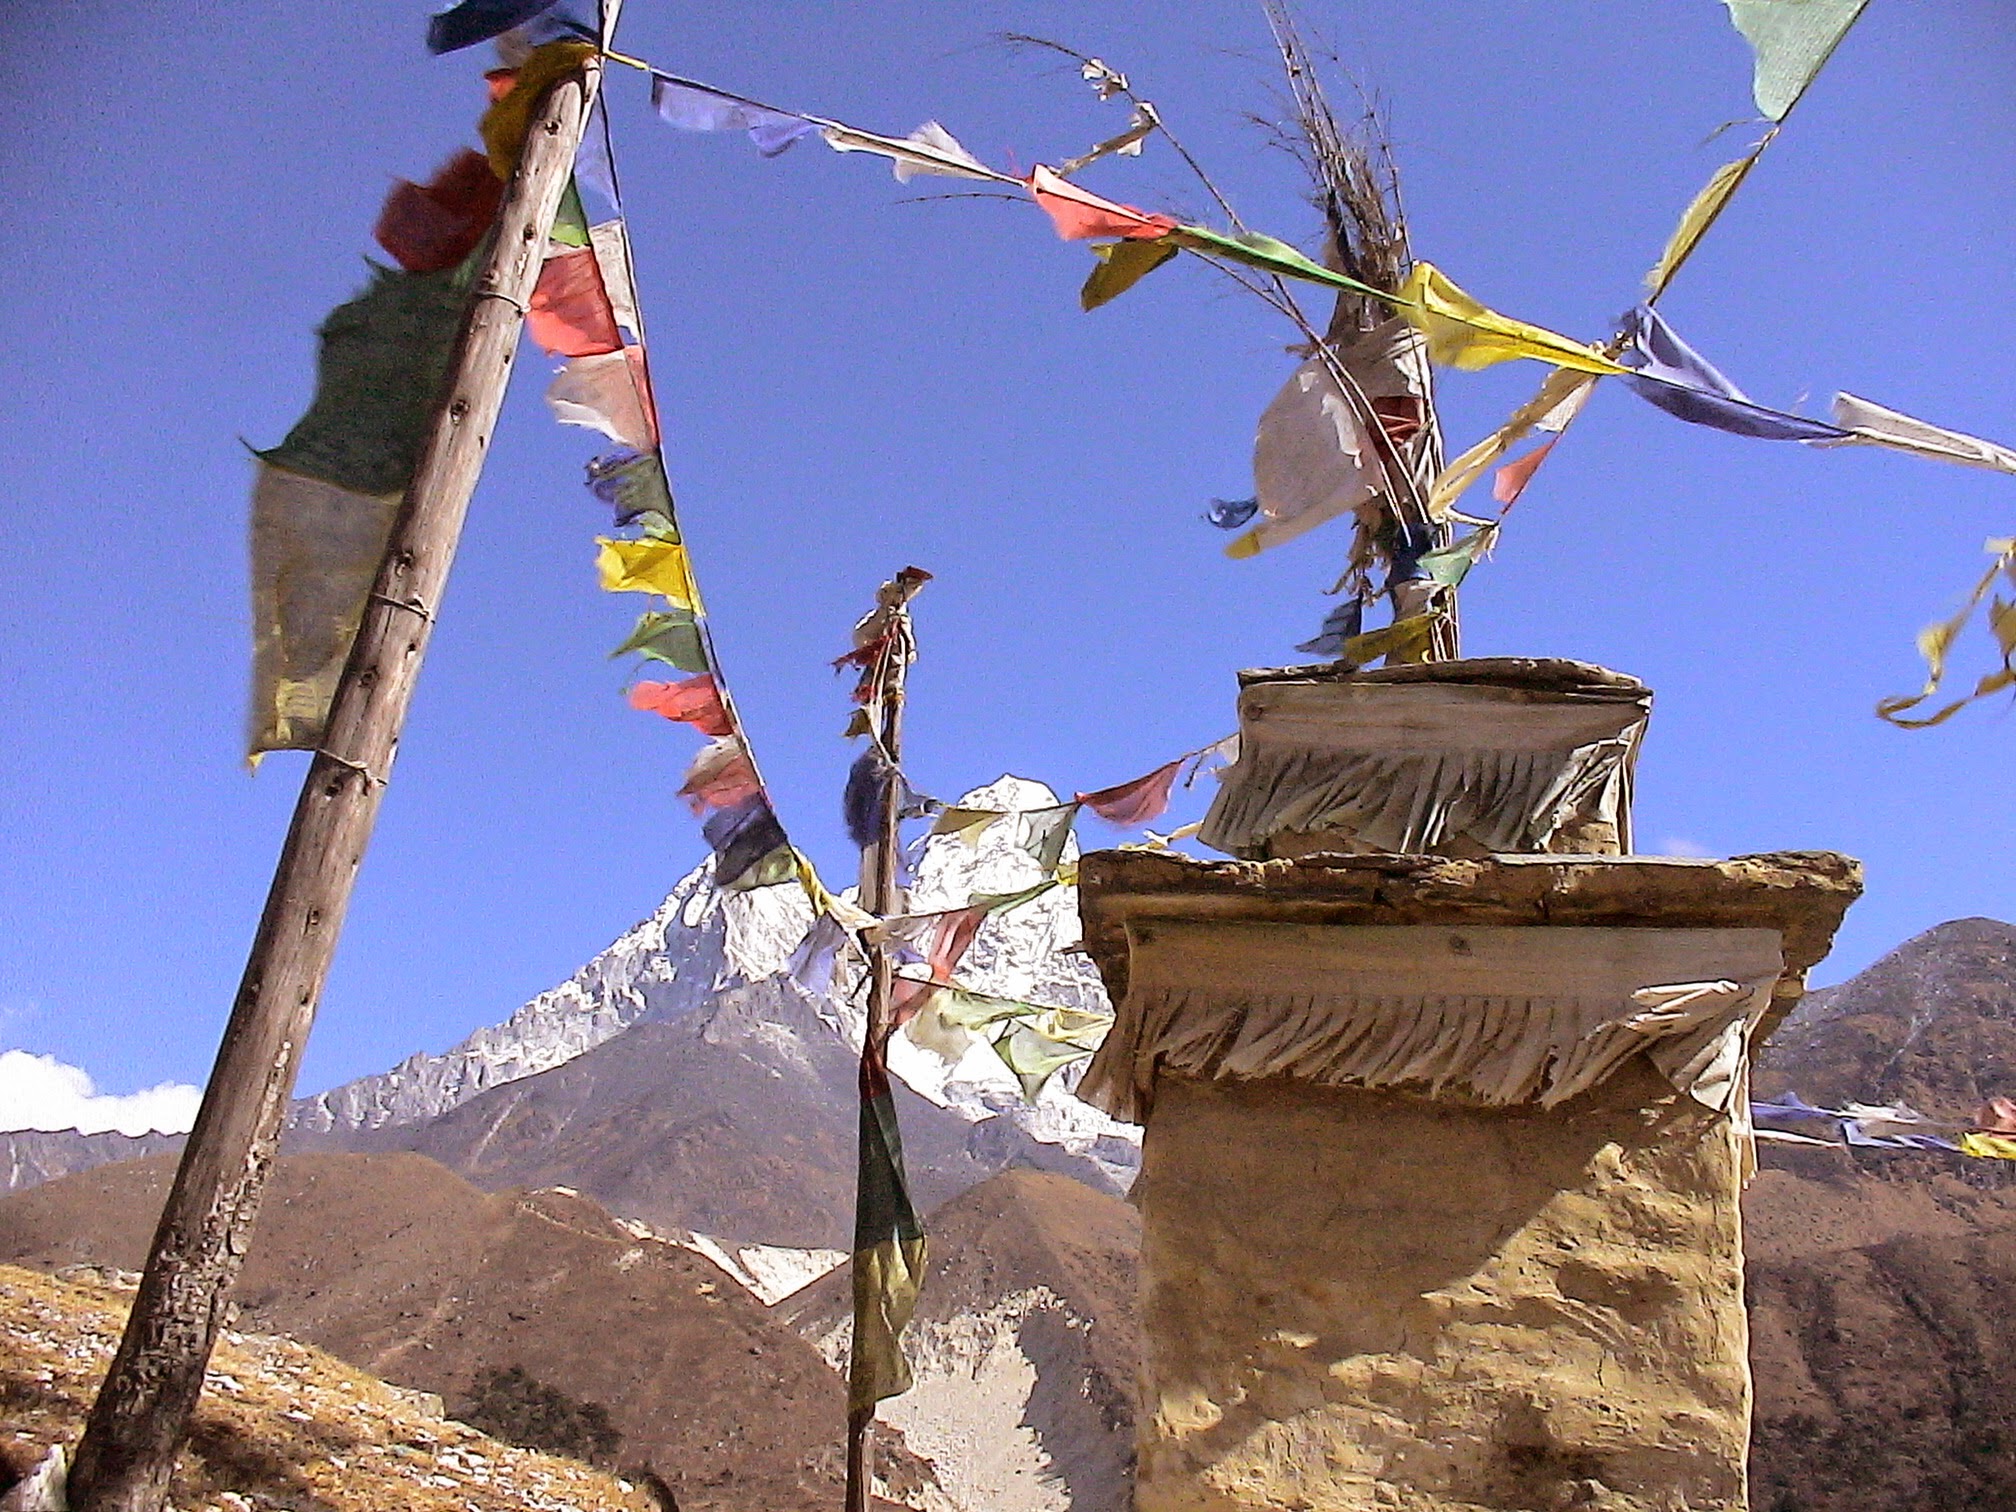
881 897
142 1412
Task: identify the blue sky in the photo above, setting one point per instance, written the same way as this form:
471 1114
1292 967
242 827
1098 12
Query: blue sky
850 382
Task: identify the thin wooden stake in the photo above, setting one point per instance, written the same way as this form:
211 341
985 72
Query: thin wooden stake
881 897
142 1412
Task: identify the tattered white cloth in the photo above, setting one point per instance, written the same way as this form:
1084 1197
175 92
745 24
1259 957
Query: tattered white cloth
1314 457
1467 758
1491 1015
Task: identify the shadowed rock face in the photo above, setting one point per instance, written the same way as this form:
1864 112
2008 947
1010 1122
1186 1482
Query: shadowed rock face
1883 1284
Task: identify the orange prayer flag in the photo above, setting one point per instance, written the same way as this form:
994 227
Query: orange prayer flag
695 701
570 314
1510 480
1079 213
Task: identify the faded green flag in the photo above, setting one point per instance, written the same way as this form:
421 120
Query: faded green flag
889 1248
1270 255
671 636
379 373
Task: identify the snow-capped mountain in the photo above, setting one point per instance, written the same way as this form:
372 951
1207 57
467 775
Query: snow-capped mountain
702 944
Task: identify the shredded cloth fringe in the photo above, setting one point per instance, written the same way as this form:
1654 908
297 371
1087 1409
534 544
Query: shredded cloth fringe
1418 769
1496 1016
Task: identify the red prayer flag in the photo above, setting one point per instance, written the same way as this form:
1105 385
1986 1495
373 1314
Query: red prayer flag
1079 213
695 701
1133 804
570 314
949 939
431 227
907 996
1510 480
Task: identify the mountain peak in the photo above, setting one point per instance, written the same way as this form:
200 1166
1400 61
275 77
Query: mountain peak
1932 1024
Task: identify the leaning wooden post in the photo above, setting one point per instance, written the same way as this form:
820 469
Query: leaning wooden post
881 897
142 1411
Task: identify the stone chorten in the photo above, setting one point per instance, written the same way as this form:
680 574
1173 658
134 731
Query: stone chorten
1442 1152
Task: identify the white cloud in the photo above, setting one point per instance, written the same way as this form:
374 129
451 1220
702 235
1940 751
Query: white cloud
1680 845
41 1092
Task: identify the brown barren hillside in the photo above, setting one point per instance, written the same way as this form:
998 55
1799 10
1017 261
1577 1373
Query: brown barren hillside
1932 1024
736 1121
402 1268
1883 1284
1025 1345
281 1425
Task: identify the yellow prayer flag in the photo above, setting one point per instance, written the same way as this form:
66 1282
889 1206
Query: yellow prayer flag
315 554
1988 1146
505 123
1402 641
1936 640
1699 216
967 824
647 566
1465 334
1122 265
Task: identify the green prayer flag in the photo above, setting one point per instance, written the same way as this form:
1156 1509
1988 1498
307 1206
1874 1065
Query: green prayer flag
1036 1049
671 636
1449 565
773 870
1003 902
382 361
1269 255
889 1256
1044 833
1121 266
660 527
1793 40
570 221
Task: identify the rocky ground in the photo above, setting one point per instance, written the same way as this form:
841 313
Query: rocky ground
281 1425
635 1351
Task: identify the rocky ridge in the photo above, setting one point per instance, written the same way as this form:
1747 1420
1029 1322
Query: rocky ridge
1932 1024
665 964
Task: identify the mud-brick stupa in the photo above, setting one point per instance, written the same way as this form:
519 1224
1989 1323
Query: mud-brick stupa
1445 1105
